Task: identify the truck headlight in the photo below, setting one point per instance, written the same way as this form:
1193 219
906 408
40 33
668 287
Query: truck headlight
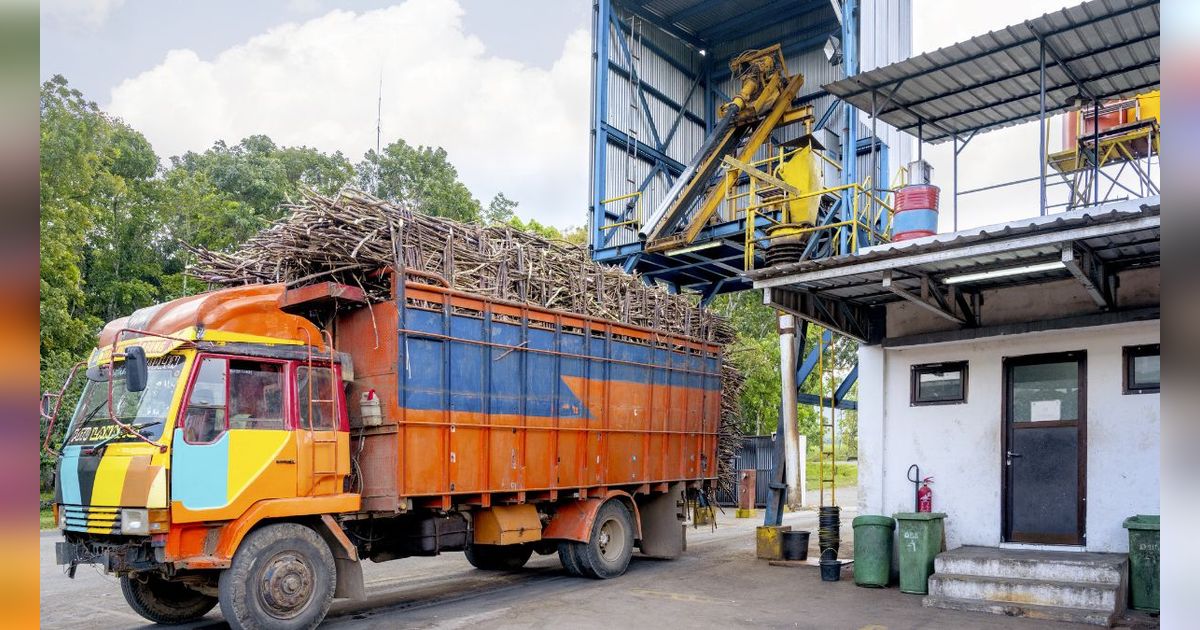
135 522
61 516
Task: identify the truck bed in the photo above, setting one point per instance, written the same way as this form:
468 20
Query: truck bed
489 402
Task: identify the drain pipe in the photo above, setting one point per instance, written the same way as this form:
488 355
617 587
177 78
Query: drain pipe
791 445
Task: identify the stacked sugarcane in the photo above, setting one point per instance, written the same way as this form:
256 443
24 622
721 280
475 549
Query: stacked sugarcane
349 237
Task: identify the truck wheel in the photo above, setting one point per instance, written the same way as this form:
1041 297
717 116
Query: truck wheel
606 555
498 557
282 578
163 601
570 560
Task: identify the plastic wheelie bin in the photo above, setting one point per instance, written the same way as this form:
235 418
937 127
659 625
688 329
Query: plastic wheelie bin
873 549
921 536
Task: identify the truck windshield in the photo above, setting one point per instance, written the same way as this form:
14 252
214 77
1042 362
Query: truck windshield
147 408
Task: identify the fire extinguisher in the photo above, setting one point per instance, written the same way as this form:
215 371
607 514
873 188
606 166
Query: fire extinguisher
925 496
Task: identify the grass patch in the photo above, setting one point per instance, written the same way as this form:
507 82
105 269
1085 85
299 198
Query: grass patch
847 473
47 515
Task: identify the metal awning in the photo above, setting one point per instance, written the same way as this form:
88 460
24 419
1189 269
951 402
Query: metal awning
1091 245
1100 49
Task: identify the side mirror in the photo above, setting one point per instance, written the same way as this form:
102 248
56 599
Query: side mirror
135 369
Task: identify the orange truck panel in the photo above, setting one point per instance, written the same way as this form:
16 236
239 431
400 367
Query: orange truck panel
486 401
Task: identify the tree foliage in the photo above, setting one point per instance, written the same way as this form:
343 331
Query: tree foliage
420 176
755 352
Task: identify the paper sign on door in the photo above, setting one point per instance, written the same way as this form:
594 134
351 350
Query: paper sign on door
1045 411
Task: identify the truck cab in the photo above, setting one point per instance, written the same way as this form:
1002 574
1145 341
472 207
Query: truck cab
202 421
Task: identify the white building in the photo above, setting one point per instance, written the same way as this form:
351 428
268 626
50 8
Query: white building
1017 365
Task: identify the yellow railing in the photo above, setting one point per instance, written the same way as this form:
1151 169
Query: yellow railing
870 216
636 221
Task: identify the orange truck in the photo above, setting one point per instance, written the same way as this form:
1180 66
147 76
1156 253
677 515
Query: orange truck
250 446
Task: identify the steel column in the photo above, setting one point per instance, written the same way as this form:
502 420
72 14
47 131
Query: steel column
850 138
791 446
1096 150
1042 125
601 11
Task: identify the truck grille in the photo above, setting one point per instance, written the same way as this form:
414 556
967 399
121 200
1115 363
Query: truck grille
93 520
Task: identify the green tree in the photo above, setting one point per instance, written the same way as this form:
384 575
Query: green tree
74 134
422 177
500 210
100 239
260 175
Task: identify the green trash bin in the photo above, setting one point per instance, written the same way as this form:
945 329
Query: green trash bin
1143 561
873 549
920 542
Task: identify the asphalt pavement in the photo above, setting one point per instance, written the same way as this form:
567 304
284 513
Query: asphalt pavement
718 583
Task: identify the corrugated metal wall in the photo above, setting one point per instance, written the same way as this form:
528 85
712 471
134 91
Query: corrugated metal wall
757 453
654 71
886 38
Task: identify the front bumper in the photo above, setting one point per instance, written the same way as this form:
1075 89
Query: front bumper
114 554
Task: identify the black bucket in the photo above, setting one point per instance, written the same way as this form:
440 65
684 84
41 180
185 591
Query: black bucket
829 535
831 570
795 545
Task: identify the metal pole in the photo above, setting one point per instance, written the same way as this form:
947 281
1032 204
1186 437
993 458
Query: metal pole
954 142
1096 150
920 139
787 369
1042 127
874 139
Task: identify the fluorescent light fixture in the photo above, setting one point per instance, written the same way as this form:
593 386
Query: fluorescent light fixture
1001 273
693 248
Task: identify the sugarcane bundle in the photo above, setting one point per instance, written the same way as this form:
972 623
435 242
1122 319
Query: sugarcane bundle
348 237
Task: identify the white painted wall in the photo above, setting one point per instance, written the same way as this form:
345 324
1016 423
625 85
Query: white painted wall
959 445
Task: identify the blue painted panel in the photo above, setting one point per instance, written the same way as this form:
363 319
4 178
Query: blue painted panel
528 377
200 472
68 475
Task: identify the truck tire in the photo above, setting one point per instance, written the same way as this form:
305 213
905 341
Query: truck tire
282 578
607 553
498 557
163 601
567 555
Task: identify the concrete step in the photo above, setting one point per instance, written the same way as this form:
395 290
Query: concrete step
1061 593
1064 566
1033 611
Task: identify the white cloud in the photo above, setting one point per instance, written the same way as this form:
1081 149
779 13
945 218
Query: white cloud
507 126
79 14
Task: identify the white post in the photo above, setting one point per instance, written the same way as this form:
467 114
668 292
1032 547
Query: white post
787 369
803 470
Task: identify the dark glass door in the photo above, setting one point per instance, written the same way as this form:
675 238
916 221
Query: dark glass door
1045 448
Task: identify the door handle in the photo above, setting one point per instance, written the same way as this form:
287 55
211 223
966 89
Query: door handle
1009 455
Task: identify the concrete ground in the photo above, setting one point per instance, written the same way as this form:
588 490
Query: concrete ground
718 583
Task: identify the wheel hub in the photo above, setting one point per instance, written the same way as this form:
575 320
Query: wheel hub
609 539
286 585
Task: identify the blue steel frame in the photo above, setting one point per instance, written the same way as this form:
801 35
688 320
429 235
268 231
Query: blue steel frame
708 271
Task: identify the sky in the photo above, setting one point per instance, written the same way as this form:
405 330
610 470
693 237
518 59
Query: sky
502 86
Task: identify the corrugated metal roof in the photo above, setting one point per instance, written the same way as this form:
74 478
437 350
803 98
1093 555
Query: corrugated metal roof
714 22
1126 235
1109 47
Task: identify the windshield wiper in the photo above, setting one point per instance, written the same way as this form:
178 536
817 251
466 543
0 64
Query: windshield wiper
99 446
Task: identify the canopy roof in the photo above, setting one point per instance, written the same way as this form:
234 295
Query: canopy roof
1100 49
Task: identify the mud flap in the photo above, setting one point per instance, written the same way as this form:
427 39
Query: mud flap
662 523
349 579
350 583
